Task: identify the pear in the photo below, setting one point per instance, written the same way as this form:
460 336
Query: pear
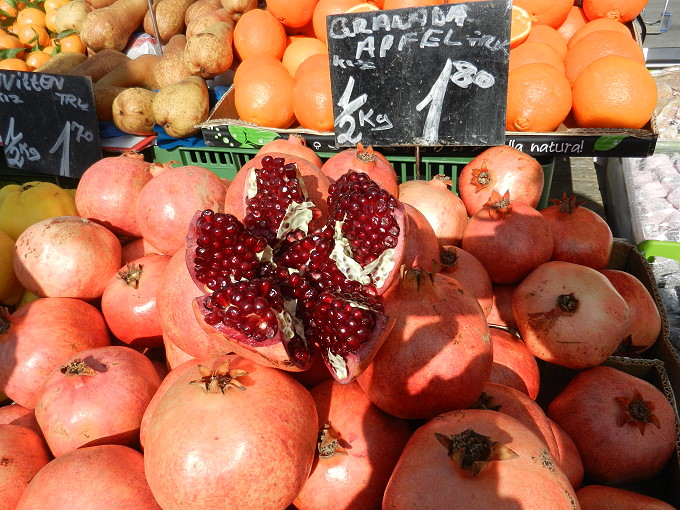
180 107
209 52
171 68
132 111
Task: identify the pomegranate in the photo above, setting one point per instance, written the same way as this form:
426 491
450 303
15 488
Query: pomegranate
97 397
570 315
39 337
421 246
581 236
568 456
129 302
313 183
443 209
623 426
174 355
108 189
135 249
645 319
477 459
174 297
275 290
438 355
501 310
501 168
229 429
16 414
366 160
510 238
470 272
166 204
357 450
603 497
513 363
295 145
22 454
66 256
105 476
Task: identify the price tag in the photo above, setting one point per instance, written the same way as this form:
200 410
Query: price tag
421 76
48 123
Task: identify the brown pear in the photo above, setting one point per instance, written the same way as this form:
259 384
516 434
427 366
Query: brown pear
200 7
180 107
237 7
209 53
205 20
132 111
171 68
104 96
169 18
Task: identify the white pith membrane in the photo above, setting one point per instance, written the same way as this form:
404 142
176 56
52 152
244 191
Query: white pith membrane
375 272
338 364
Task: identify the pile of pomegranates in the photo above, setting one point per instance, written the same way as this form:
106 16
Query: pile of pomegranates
317 335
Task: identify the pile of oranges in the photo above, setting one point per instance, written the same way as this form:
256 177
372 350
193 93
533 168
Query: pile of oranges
28 37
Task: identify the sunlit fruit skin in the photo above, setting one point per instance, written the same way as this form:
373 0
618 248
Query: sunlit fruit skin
11 289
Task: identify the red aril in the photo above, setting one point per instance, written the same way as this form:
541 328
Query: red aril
39 337
623 426
581 236
422 248
509 237
513 363
500 168
570 315
443 209
66 256
464 267
97 397
108 190
295 145
437 356
358 448
166 204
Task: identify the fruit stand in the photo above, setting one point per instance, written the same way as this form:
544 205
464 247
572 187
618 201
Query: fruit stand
323 254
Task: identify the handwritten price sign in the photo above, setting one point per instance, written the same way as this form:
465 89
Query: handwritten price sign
421 76
48 123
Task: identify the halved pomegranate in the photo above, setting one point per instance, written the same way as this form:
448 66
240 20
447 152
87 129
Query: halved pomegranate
277 290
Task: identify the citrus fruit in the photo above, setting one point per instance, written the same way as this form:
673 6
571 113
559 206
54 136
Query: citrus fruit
534 52
312 100
299 49
325 8
548 35
618 10
520 25
292 13
258 32
594 26
543 12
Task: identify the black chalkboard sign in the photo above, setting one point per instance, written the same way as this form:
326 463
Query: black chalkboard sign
421 76
48 123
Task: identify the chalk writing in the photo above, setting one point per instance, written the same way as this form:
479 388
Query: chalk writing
17 151
31 81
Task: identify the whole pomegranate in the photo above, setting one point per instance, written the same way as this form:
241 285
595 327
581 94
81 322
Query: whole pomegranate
166 204
581 236
105 476
438 355
501 168
501 309
129 302
422 247
174 355
513 363
108 190
295 145
274 288
477 459
510 238
98 396
39 337
228 429
16 414
469 271
570 315
603 497
623 426
358 448
568 456
443 209
66 256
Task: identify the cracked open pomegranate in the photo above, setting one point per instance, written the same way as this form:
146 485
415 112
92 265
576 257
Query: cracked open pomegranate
277 290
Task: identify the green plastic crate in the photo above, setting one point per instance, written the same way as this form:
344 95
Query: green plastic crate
225 162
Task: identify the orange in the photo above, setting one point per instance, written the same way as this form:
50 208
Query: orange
312 99
33 35
292 13
264 96
618 10
8 8
71 44
550 36
539 98
325 8
595 25
400 4
31 16
51 50
9 42
35 59
598 44
320 59
534 52
53 5
258 32
614 92
365 7
254 61
301 48
520 26
546 12
14 64
575 20
50 17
